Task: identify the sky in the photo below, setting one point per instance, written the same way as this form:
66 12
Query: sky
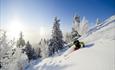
35 17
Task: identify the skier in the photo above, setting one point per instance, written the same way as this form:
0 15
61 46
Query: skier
75 45
78 44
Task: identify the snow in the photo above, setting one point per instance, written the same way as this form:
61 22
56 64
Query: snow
99 57
98 54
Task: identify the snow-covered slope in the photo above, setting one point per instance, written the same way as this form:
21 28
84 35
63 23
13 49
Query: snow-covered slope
98 55
103 30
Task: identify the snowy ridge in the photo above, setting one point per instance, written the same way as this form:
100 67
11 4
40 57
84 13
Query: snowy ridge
103 24
98 54
99 29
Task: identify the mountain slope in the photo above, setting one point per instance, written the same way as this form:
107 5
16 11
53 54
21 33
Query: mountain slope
98 54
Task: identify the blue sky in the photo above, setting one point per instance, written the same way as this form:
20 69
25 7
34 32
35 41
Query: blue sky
43 11
40 13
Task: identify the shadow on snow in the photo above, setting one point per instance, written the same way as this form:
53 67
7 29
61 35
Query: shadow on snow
89 45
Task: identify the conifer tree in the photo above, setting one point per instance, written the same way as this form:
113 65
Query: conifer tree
21 41
56 42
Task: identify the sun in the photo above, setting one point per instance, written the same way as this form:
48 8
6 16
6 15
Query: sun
14 28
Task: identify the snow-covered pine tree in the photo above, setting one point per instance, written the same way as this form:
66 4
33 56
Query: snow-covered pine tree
3 43
84 26
76 23
4 47
21 41
75 34
43 45
56 42
98 21
18 60
30 51
11 57
76 27
39 53
38 50
68 37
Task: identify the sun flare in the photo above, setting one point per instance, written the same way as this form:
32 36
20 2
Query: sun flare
14 28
